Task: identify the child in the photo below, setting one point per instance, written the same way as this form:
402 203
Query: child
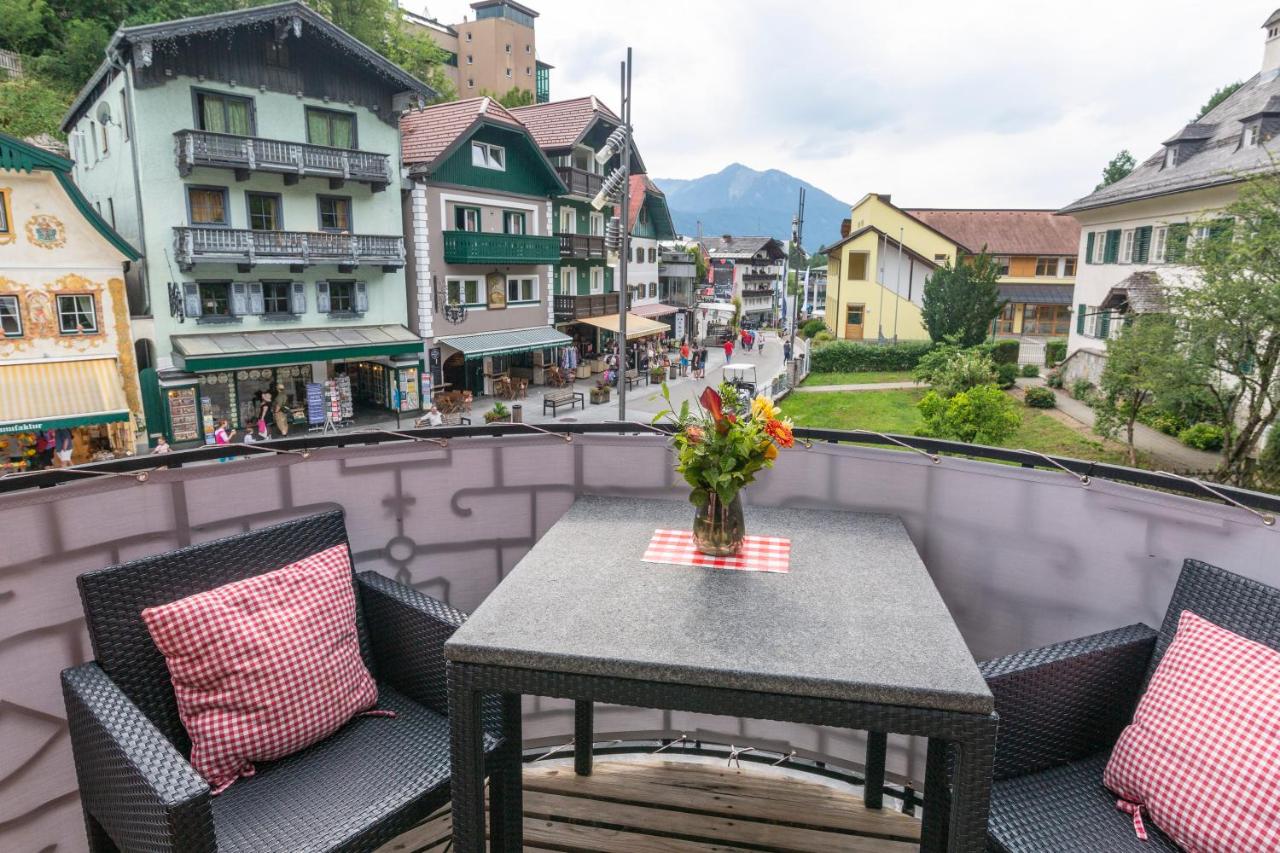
162 446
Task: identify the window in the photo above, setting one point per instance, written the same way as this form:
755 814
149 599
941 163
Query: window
466 218
856 266
275 297
76 314
468 36
1170 157
1126 247
1158 244
568 280
124 118
1200 233
335 213
1001 263
10 318
1252 134
215 299
276 54
597 224
342 297
528 72
1069 267
111 211
597 279
528 48
1047 266
522 289
1099 247
471 84
508 48
6 218
218 113
512 222
470 59
331 128
639 255
508 73
568 220
653 290
106 147
653 255
207 206
463 291
264 211
488 156
93 137
941 259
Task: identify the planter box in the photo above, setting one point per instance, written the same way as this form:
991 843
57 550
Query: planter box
503 420
584 370
599 395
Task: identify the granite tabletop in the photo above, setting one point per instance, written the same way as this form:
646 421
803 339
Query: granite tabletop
857 617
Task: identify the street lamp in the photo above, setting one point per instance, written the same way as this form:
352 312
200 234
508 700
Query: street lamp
611 188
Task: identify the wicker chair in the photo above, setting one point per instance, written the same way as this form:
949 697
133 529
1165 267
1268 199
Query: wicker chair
367 783
1062 708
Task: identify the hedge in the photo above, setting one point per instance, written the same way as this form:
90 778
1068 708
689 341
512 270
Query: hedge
1040 398
850 356
1004 351
1054 352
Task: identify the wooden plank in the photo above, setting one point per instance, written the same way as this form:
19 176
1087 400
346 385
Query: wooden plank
430 835
575 837
710 828
753 794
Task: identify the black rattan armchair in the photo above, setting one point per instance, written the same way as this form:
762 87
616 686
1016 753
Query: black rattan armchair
353 791
1062 708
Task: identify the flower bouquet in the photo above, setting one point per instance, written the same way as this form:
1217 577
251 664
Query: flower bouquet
719 449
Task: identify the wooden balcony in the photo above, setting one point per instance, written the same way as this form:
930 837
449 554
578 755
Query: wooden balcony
247 154
582 247
579 181
570 307
246 249
479 247
760 276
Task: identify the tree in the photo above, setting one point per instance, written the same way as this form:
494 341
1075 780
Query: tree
30 106
25 25
982 414
514 97
699 263
1144 362
961 302
818 260
1218 97
1119 167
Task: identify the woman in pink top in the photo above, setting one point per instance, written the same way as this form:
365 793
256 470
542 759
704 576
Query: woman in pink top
223 435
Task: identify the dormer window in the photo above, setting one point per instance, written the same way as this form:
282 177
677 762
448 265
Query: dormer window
1252 135
1170 157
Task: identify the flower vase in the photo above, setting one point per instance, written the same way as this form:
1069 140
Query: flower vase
719 528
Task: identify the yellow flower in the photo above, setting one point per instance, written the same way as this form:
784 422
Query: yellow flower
762 407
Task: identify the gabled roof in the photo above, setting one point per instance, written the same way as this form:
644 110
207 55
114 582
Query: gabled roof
1004 232
889 240
200 25
563 124
645 192
19 156
741 248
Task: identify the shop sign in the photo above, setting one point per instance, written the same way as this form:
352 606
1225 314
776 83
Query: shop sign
680 326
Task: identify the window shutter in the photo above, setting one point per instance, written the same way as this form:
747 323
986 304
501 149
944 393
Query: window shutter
1111 251
1088 248
362 298
1176 244
298 298
239 299
256 305
191 299
1142 244
1220 229
322 297
1104 325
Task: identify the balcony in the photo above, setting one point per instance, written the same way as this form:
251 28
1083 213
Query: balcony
582 247
246 249
760 276
247 154
579 181
481 247
569 307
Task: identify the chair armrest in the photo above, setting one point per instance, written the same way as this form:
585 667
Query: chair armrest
1062 702
133 781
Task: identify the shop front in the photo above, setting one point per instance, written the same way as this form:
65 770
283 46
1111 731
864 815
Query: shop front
475 363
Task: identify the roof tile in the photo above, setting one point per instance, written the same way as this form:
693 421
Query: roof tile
1005 232
559 124
426 133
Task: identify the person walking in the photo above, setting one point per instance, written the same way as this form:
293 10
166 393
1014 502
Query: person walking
684 358
264 414
223 435
63 445
728 351
786 350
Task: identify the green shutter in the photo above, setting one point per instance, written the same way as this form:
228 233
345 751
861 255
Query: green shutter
1175 250
1104 325
1220 229
1080 309
1111 251
1088 248
1142 244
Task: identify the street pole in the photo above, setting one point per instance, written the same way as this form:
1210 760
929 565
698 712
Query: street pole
798 237
624 220
897 287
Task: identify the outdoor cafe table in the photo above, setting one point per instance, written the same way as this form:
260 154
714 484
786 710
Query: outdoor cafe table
854 635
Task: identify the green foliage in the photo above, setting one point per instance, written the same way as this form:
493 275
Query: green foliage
960 302
513 97
822 338
1004 351
1162 421
1119 167
1054 379
30 106
817 261
950 369
1040 398
1083 390
853 356
1054 352
1030 370
1269 461
497 413
26 26
1202 437
811 328
1006 374
983 414
699 265
1218 97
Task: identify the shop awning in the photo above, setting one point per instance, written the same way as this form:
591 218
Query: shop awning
56 394
506 341
269 347
717 308
637 327
656 309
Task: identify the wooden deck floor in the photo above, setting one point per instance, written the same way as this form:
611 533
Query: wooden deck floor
686 806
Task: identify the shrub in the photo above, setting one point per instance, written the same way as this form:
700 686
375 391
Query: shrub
850 356
951 370
1054 379
1202 436
984 414
1082 389
1041 398
811 328
1004 351
1030 370
823 337
1054 352
1165 422
1006 373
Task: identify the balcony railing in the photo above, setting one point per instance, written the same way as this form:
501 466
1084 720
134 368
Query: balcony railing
479 247
195 244
581 246
294 160
569 307
759 276
579 181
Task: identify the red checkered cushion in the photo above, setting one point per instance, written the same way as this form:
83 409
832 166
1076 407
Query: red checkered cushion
264 666
1202 755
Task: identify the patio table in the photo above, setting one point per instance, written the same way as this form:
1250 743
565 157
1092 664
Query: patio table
855 635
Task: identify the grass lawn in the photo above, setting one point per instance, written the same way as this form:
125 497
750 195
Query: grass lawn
895 411
862 377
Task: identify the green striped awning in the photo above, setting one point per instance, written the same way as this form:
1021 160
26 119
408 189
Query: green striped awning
506 341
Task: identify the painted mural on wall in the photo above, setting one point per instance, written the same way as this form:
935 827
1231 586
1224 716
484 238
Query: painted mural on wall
38 309
46 231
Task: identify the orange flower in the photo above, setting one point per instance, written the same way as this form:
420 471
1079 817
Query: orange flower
780 432
694 434
770 451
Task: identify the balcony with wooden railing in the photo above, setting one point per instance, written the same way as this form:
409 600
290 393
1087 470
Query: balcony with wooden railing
245 248
582 247
579 181
568 307
294 160
481 247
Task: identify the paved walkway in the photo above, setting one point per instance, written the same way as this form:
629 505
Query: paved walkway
869 386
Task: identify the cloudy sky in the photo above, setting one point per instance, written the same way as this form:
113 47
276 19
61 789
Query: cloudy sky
979 104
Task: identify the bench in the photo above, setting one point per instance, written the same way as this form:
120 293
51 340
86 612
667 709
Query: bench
632 378
556 399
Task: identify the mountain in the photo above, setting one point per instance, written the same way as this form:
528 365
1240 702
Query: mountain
739 200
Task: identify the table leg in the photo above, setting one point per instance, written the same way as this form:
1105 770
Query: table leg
583 737
873 790
506 806
466 767
933 832
971 800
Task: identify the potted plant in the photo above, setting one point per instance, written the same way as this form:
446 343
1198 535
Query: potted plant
600 393
656 372
719 451
498 414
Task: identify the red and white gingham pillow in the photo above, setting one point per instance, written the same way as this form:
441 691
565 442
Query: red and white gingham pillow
1202 755
265 666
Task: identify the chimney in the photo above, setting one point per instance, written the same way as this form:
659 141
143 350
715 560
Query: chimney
845 226
1271 49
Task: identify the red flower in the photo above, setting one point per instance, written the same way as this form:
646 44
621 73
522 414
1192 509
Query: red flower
694 434
780 433
710 401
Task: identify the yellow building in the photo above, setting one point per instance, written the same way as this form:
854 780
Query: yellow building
877 269
66 352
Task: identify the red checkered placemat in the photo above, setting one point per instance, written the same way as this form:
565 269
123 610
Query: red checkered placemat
758 554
